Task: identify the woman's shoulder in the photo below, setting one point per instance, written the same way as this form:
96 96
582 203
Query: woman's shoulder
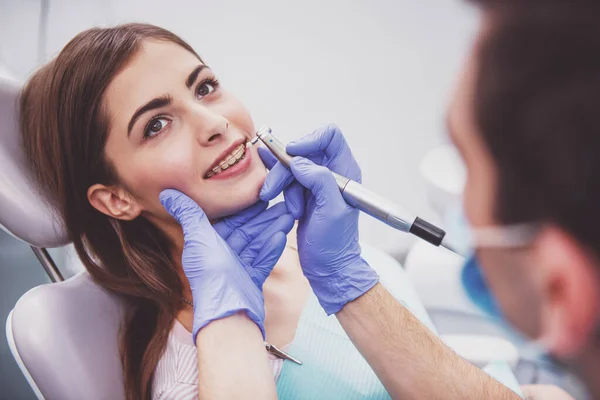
176 374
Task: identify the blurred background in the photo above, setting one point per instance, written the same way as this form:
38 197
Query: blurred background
383 70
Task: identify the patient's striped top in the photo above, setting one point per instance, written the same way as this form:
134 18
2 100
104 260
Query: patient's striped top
176 375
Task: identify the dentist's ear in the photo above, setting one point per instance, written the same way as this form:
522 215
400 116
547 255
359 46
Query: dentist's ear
569 281
114 202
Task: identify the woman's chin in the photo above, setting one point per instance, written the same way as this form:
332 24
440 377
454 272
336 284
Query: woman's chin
238 201
232 209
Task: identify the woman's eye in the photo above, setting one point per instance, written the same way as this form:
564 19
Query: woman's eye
205 88
155 126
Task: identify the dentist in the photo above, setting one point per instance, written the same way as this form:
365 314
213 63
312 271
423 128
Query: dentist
525 119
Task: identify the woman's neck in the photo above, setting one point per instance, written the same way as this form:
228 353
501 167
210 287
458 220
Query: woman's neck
175 235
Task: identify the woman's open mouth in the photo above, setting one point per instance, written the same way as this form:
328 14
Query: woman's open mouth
232 164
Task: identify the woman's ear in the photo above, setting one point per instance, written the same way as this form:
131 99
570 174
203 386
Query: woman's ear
114 202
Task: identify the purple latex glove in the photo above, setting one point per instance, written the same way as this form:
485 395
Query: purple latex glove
227 264
292 190
328 246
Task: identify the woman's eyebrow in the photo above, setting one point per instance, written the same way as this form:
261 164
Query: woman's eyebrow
158 102
163 101
192 77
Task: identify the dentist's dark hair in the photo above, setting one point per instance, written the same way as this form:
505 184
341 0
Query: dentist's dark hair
64 129
537 107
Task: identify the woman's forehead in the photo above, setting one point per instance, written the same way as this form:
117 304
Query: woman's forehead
158 68
156 65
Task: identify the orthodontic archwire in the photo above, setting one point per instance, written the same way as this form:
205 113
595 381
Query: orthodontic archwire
228 162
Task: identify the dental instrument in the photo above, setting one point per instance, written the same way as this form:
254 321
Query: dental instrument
271 349
365 200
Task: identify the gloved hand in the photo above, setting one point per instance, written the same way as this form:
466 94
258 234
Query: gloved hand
257 236
292 190
328 246
226 275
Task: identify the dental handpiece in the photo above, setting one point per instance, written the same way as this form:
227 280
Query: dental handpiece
365 200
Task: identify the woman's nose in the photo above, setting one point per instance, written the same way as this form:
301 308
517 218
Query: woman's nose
209 126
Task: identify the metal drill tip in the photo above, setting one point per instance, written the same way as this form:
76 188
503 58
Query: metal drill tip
253 141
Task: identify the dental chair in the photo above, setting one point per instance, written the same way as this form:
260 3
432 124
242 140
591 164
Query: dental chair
63 335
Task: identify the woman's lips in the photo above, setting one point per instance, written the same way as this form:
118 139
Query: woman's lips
226 153
239 168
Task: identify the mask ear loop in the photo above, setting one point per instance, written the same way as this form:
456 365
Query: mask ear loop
504 237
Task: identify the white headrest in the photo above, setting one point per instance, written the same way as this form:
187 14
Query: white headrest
23 212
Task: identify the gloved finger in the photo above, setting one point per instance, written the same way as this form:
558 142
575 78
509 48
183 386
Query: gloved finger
320 182
185 210
200 237
270 160
328 139
267 157
294 198
277 179
329 143
284 224
267 258
294 194
228 225
243 235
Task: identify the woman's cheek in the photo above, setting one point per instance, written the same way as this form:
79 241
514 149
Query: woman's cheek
175 165
157 173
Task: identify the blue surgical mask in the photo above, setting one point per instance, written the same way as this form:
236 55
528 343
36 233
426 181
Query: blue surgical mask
467 239
478 291
473 278
495 237
477 288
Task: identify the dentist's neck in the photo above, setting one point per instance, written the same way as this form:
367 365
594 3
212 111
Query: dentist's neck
588 369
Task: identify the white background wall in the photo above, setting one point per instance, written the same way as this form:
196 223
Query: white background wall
382 70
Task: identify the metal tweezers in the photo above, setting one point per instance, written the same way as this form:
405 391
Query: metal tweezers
281 354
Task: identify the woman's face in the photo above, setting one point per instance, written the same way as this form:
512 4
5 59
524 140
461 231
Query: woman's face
173 126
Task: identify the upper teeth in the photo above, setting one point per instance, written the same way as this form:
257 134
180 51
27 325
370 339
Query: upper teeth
229 160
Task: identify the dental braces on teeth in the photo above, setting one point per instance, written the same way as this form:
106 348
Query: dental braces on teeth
237 155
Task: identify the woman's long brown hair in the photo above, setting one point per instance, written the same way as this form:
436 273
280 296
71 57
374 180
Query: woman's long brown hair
64 128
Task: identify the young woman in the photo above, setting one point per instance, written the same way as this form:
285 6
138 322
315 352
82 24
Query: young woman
119 115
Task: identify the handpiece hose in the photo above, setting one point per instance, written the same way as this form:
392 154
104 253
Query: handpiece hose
365 200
